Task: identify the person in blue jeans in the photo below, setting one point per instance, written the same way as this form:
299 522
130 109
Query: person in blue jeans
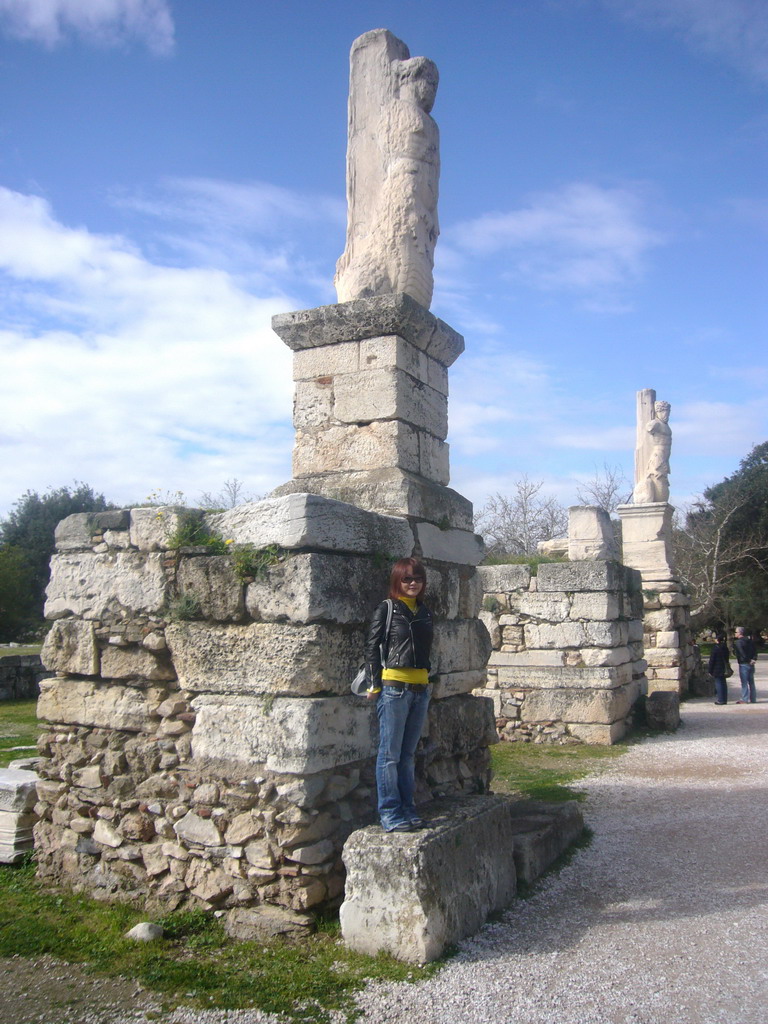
718 668
397 673
746 655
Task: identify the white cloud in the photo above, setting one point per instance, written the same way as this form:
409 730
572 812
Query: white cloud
103 22
734 30
131 375
582 238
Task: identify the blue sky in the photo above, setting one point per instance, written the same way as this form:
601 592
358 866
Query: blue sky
172 175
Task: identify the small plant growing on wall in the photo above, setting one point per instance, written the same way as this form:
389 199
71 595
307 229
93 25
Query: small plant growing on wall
192 532
184 607
251 563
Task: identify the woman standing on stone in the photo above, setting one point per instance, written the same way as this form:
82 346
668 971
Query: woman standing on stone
397 671
718 668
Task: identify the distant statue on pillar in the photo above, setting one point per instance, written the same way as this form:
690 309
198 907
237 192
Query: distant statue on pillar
654 444
393 166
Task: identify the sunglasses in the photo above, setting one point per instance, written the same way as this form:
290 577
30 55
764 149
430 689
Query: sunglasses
413 579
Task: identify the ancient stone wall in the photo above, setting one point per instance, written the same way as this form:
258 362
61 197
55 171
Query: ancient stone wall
20 676
567 661
202 744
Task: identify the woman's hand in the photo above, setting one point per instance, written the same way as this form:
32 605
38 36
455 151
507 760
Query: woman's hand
371 695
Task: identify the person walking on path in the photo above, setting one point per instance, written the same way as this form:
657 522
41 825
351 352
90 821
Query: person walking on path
746 655
397 672
720 668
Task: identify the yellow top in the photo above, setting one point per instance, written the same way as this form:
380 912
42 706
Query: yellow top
415 676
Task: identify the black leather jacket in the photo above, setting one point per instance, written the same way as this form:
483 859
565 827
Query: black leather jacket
408 644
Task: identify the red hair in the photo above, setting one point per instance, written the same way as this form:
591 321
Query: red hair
406 567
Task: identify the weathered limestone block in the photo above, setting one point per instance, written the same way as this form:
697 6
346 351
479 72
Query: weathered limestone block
384 394
194 829
569 576
315 522
17 790
604 735
498 579
553 607
449 684
93 586
369 446
212 581
261 924
600 707
412 894
70 647
265 657
662 711
524 659
433 459
660 621
449 545
461 724
590 534
564 677
74 702
460 645
394 352
668 639
151 528
291 735
373 317
542 833
598 657
74 533
309 364
576 634
391 492
134 661
647 538
319 587
600 606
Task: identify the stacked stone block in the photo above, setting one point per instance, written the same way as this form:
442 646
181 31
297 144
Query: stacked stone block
371 407
17 816
202 745
669 648
567 661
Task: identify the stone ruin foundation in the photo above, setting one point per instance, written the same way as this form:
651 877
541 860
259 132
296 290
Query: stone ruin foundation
202 745
567 661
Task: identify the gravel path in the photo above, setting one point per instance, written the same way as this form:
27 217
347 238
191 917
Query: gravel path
661 920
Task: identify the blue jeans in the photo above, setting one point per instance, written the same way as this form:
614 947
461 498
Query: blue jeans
721 690
747 676
401 716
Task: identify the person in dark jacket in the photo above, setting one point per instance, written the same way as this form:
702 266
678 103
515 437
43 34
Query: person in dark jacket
397 673
746 655
718 668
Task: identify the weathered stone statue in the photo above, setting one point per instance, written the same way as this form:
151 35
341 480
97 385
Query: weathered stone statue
393 166
654 443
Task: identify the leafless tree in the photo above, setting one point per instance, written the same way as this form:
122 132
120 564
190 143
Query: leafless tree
709 556
232 494
514 524
607 490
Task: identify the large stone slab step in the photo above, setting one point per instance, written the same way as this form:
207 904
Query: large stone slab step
412 894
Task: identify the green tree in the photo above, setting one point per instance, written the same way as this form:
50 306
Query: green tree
30 529
17 607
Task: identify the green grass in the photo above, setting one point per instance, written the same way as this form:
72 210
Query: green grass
18 728
543 771
194 964
10 652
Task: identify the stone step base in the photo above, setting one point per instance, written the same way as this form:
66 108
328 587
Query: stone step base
411 894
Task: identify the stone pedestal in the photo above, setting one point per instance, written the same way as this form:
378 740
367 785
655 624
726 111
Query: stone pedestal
647 546
371 407
647 539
